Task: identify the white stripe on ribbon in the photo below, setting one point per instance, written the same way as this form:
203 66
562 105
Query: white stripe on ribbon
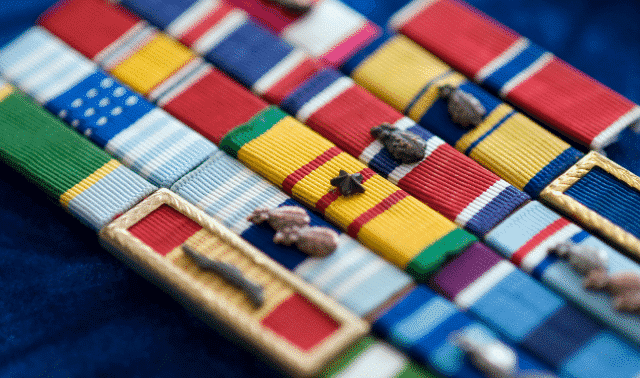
27 62
360 276
48 71
480 202
279 71
174 79
537 254
402 170
408 12
376 146
121 41
177 90
469 295
222 190
321 99
501 60
83 70
218 32
147 121
258 189
191 17
536 66
355 256
610 134
324 27
378 360
176 148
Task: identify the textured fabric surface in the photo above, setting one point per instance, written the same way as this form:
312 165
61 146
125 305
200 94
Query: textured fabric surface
72 310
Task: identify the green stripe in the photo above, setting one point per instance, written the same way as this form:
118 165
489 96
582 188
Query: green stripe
414 370
245 133
434 255
43 148
346 357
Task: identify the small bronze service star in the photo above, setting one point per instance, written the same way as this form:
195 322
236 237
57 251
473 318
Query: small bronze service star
348 184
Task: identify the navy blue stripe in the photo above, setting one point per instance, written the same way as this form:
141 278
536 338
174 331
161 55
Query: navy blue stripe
496 211
364 53
384 164
438 121
580 236
425 89
555 168
500 77
609 197
159 12
261 236
309 89
248 53
539 270
491 130
563 334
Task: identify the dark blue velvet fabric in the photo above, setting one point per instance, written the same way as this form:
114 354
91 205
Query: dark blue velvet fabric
69 309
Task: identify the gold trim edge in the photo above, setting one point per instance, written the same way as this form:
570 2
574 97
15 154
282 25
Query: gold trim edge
591 220
186 290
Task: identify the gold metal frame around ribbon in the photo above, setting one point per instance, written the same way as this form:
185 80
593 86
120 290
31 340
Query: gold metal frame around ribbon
554 195
219 310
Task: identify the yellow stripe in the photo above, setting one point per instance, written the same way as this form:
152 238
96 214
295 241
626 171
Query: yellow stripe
419 228
153 63
316 184
398 70
88 182
345 210
276 290
398 234
489 121
5 91
287 146
518 150
425 102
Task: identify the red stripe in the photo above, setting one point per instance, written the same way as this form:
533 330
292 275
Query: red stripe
269 13
326 200
358 109
88 26
196 31
352 44
378 209
164 229
302 172
215 105
301 322
448 181
280 90
461 36
539 238
572 102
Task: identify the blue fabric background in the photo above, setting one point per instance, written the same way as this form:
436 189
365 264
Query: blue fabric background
69 309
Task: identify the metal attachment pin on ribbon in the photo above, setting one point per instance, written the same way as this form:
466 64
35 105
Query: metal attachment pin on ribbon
464 108
230 273
403 146
593 264
292 227
492 357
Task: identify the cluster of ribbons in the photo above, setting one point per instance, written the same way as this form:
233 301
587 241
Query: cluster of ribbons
439 242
